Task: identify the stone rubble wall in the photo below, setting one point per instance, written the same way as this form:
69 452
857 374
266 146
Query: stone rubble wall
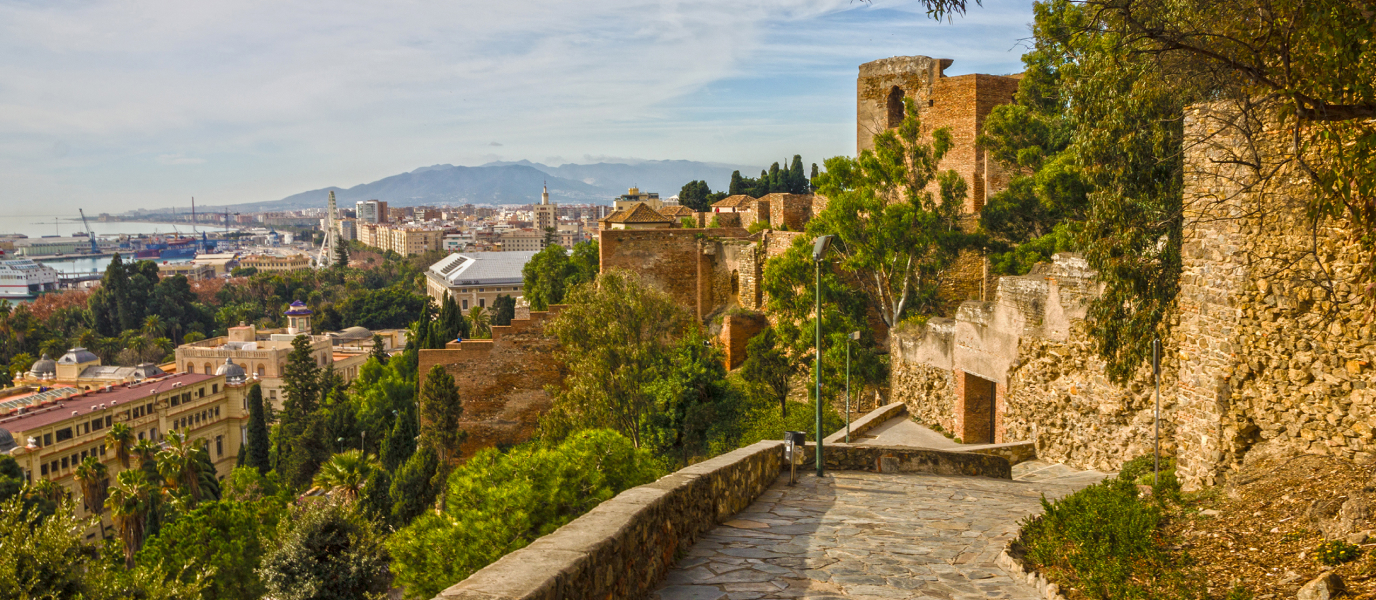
1277 341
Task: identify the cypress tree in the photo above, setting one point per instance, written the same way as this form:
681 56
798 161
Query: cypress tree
258 443
738 185
401 441
441 410
797 181
378 351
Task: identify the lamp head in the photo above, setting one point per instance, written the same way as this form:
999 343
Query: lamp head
820 246
854 335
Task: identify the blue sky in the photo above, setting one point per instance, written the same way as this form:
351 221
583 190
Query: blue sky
144 103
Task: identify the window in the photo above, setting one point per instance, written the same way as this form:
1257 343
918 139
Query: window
176 401
148 409
187 396
108 420
83 457
190 367
98 424
64 462
219 446
43 469
64 434
217 412
153 433
272 394
54 467
895 106
262 370
102 449
207 370
465 304
482 301
200 392
47 439
140 435
215 389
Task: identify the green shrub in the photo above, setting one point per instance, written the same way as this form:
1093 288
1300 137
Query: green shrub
1336 552
1101 537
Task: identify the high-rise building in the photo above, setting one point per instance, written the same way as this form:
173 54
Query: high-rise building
545 214
372 211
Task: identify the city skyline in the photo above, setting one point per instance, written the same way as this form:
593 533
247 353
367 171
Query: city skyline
144 107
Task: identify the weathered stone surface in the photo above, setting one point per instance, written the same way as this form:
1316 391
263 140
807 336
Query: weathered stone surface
875 535
1324 587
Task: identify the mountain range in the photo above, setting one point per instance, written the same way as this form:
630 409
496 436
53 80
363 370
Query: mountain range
513 183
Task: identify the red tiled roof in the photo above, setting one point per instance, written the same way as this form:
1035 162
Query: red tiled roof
641 213
733 201
82 404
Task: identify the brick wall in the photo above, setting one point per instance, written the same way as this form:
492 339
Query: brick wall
701 269
501 381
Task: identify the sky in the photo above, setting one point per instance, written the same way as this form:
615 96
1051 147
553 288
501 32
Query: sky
118 105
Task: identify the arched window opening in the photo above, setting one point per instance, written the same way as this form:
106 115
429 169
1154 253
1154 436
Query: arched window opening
895 106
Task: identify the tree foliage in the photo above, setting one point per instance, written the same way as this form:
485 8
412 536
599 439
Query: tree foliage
698 196
259 443
895 238
552 273
441 409
226 539
498 503
326 551
616 337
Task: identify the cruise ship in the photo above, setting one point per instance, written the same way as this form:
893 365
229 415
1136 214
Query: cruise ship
24 278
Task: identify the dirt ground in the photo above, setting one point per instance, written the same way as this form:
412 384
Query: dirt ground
1269 519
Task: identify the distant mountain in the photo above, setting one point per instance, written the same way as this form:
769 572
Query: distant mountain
662 176
511 183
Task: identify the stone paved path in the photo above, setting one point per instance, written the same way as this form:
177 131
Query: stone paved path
870 535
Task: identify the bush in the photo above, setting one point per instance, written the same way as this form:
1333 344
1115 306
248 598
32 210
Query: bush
1101 539
327 551
497 503
1336 552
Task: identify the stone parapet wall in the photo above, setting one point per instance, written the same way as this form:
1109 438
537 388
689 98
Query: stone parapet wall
624 546
897 459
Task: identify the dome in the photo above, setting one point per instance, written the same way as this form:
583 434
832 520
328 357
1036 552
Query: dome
44 367
355 333
233 373
6 441
297 309
77 356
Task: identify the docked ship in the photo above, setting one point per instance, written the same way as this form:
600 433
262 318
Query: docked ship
24 278
181 248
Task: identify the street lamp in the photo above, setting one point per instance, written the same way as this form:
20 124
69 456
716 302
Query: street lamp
854 336
819 251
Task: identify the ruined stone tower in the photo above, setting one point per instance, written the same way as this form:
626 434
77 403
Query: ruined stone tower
960 103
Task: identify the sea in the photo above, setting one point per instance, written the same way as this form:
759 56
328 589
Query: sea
64 225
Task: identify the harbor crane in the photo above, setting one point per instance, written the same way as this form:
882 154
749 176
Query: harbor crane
90 235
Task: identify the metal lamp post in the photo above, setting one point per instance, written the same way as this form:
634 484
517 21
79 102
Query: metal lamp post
819 251
854 335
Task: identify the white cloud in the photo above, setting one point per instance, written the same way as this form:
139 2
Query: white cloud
178 159
299 94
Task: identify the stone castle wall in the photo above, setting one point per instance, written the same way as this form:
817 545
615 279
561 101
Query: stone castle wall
1270 346
501 381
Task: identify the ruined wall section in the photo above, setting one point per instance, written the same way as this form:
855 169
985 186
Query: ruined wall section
501 381
912 75
1276 342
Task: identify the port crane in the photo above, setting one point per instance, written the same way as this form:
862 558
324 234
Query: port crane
90 235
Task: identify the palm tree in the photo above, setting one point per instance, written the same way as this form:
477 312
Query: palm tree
54 347
138 344
180 467
94 480
89 339
345 473
478 323
153 326
120 438
147 451
129 504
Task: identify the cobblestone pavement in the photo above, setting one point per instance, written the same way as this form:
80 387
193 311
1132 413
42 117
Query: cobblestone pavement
870 535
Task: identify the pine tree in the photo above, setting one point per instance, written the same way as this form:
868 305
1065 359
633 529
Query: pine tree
258 441
341 255
414 486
